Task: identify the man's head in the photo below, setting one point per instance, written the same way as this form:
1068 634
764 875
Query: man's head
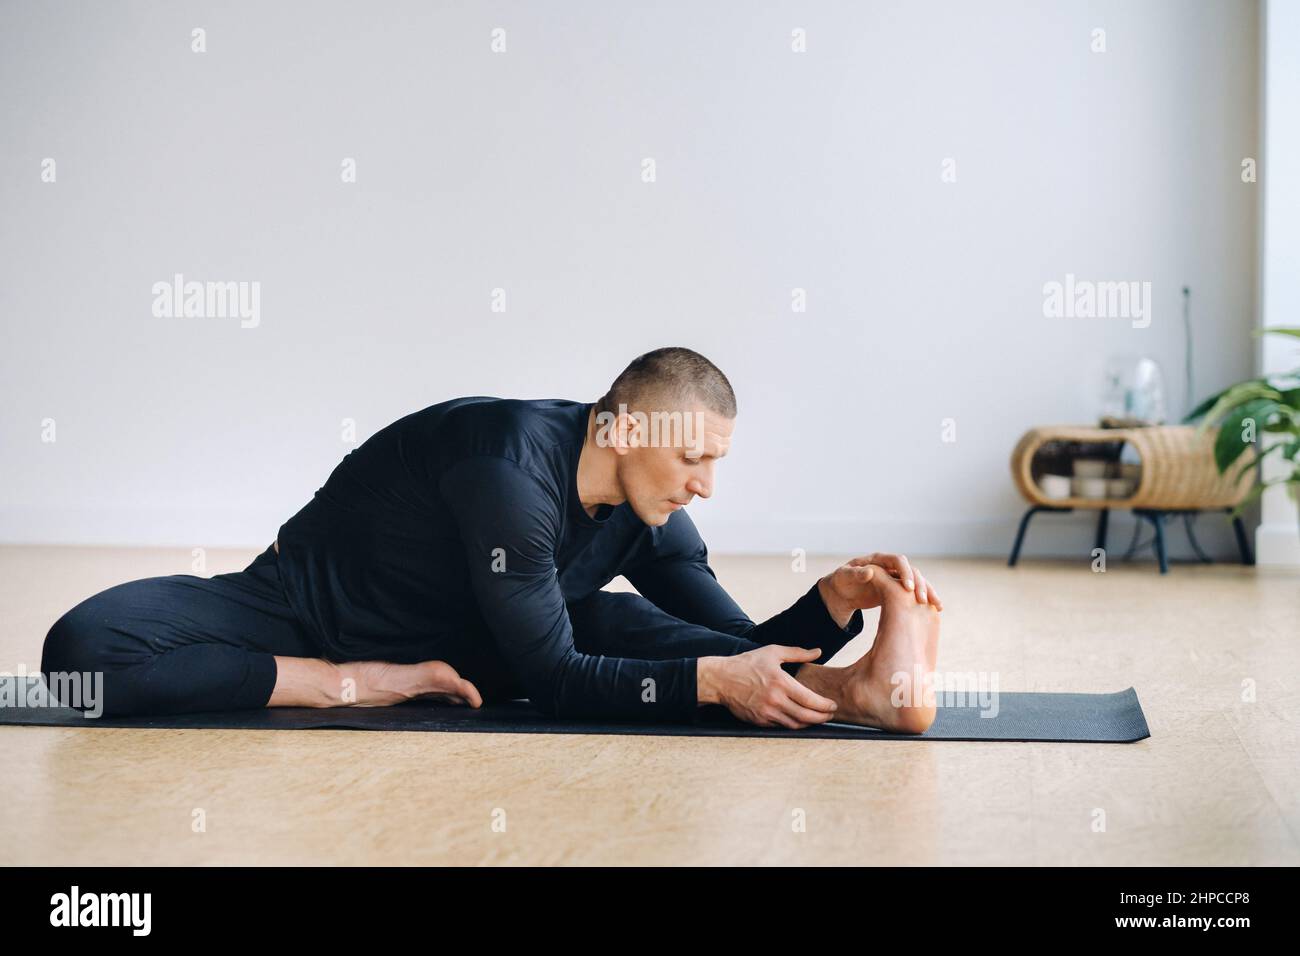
668 417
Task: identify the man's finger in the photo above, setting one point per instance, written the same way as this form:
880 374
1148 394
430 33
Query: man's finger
928 595
779 718
803 715
889 583
797 653
807 697
864 574
905 572
469 692
896 564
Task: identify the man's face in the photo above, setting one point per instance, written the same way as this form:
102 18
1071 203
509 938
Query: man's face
667 466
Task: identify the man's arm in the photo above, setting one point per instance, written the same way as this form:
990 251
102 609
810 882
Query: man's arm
672 571
510 524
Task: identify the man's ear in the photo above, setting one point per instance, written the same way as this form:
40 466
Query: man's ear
630 433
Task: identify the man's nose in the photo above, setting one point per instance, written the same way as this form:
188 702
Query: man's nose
701 486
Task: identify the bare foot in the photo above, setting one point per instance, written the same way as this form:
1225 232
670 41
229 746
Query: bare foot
381 684
887 687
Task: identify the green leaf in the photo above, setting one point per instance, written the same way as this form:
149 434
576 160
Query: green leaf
1210 402
1257 461
1254 493
1259 490
1229 444
1238 394
1287 420
1281 428
1206 405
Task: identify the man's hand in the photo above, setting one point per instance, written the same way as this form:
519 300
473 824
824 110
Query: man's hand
856 584
755 688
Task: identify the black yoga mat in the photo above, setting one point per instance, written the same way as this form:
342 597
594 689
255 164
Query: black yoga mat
1090 718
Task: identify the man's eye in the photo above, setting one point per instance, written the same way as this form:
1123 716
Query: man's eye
692 461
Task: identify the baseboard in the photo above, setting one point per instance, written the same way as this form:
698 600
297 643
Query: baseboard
1278 545
1050 535
1069 535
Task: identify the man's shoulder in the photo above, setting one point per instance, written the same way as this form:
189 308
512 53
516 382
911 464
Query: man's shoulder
478 425
532 416
504 442
501 416
675 539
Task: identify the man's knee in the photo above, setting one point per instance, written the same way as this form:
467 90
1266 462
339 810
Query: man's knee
74 642
609 607
79 646
603 617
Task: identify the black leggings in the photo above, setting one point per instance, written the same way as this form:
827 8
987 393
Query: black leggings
182 643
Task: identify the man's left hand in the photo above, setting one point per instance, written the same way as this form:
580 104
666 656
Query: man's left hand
855 585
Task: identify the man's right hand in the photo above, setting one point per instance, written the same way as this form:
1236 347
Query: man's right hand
755 688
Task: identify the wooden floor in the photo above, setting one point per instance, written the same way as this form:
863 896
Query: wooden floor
1218 781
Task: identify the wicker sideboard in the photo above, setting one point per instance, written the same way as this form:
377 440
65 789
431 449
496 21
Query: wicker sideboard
1178 476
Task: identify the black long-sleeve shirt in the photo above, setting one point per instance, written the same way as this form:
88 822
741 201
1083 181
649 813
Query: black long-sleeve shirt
461 523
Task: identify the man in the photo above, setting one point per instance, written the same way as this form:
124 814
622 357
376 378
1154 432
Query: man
459 555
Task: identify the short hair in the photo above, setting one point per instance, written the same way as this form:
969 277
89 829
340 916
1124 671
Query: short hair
670 378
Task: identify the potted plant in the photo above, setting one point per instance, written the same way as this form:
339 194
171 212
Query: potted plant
1249 409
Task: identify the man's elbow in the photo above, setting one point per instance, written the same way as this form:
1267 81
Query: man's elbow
564 694
547 702
546 695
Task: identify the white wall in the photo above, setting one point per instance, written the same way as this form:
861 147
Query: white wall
1279 531
521 170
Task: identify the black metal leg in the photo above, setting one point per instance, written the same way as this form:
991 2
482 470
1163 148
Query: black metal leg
1191 539
1158 520
1024 525
1243 545
1020 536
1102 520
